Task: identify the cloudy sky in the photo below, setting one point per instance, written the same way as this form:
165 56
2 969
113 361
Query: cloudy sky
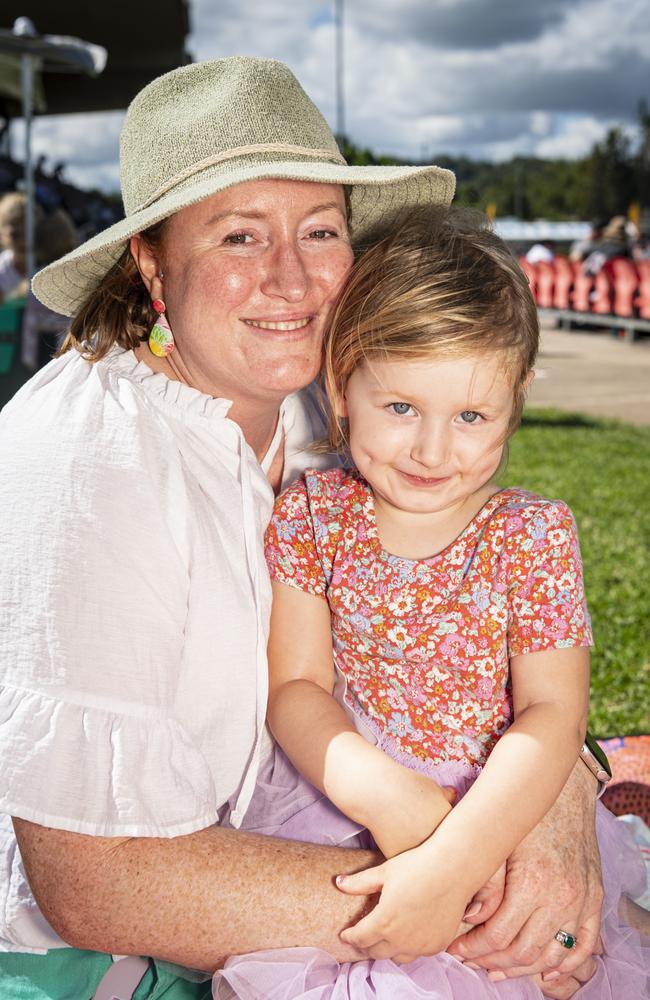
486 78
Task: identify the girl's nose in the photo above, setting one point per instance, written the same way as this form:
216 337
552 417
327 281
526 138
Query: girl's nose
431 447
286 276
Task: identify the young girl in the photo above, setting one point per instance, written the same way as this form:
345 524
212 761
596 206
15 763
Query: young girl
429 634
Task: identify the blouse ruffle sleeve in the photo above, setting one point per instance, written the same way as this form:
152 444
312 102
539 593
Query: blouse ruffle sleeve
129 701
548 609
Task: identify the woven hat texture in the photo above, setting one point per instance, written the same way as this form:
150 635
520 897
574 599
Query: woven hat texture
206 127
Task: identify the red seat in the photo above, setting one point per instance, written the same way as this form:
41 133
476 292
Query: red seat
563 283
602 300
626 281
545 284
642 300
530 270
582 288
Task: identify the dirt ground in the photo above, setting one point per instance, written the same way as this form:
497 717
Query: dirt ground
593 373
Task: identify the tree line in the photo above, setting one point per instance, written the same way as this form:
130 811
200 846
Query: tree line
614 176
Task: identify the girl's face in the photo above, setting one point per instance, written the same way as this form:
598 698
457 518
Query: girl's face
428 435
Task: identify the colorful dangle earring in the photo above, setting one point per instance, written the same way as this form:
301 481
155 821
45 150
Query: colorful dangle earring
161 338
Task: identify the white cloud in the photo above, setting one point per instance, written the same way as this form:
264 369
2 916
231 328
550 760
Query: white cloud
487 78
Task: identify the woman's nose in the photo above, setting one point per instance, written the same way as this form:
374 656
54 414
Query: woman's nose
287 276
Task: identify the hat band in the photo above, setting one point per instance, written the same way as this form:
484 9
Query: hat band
231 154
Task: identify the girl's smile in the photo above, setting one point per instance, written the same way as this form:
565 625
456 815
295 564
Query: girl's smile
428 435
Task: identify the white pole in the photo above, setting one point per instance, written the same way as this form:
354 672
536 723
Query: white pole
340 99
27 72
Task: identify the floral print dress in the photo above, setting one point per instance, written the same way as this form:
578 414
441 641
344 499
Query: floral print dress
421 651
424 645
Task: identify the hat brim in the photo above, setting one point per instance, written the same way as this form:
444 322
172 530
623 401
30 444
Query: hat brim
376 193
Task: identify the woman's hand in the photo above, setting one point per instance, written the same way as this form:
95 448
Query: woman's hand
553 882
419 911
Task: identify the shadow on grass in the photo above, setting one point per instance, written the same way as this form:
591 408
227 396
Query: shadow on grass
559 419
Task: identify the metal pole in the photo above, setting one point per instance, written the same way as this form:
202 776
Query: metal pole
340 99
27 72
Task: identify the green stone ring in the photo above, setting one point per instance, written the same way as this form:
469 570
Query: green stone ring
566 940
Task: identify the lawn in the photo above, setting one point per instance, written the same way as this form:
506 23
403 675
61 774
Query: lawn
601 469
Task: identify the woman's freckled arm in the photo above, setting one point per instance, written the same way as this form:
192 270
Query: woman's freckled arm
246 892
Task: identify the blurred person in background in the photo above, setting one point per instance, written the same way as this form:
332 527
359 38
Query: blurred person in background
581 249
541 253
13 259
42 329
613 243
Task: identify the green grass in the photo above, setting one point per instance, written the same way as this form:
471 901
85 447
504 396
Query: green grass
601 468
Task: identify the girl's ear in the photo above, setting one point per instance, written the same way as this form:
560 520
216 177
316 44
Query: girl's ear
148 265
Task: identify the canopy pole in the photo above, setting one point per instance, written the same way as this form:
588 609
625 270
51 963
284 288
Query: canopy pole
27 74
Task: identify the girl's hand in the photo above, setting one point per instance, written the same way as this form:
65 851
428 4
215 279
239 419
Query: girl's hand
419 912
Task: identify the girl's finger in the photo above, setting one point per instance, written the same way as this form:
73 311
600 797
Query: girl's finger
383 950
363 883
364 935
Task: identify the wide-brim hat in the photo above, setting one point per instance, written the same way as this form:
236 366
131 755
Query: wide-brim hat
206 127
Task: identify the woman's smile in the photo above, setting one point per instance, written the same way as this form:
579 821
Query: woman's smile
280 325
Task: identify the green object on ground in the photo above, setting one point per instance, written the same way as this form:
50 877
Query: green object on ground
70 974
11 315
601 468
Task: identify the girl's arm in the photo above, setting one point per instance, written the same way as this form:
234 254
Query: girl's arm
399 806
425 891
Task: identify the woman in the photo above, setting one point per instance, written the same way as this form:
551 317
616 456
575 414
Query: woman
135 593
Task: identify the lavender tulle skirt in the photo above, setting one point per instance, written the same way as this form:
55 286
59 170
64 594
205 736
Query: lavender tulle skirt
285 805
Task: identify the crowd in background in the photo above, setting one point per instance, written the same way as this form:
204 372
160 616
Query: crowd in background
606 240
54 236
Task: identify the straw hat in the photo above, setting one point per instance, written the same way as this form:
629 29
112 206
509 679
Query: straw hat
205 127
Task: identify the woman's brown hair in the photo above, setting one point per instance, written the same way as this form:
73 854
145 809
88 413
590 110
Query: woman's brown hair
119 310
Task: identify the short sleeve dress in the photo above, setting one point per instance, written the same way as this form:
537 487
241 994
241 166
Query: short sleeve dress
421 654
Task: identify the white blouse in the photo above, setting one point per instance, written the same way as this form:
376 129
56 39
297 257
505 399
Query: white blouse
135 602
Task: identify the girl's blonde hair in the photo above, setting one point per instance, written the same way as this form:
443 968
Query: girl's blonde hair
440 285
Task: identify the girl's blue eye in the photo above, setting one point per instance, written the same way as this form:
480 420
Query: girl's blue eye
401 409
470 416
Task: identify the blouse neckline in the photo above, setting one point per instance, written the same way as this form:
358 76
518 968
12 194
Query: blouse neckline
191 402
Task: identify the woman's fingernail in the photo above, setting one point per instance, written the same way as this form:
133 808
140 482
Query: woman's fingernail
548 976
497 977
340 879
472 910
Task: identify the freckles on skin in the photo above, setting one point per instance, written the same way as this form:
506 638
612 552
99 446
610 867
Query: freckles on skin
264 261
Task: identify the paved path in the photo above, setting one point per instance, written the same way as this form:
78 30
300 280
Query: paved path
593 373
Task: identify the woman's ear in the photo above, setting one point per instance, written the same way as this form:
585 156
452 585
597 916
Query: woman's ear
528 380
147 264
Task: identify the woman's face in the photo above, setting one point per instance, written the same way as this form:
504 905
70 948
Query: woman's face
250 276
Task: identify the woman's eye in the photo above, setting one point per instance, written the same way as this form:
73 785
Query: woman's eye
321 234
470 416
401 409
238 238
